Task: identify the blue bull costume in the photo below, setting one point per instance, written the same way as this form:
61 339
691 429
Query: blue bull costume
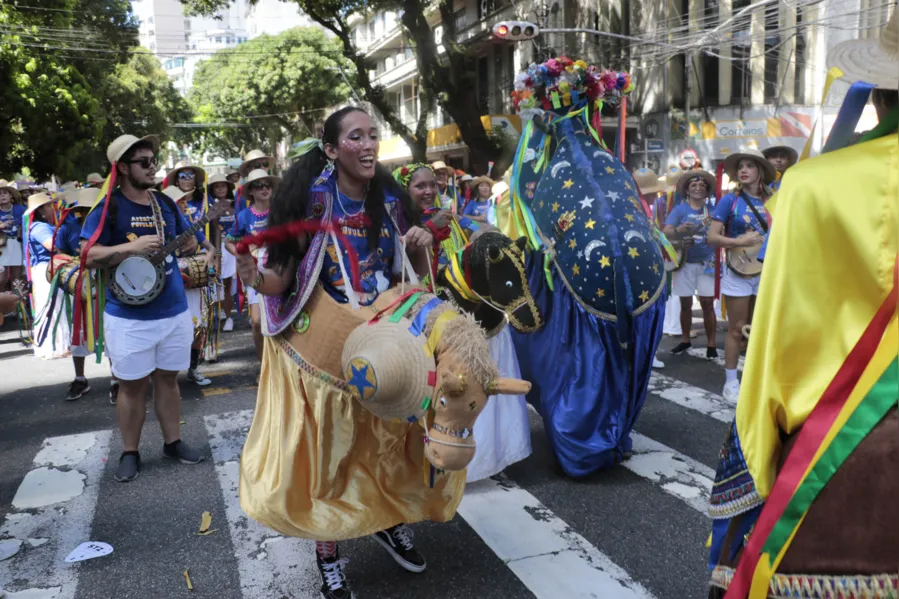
599 281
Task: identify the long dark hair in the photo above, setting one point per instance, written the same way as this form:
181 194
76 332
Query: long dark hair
290 199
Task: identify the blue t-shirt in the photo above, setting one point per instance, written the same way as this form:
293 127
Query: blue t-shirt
68 238
39 234
684 213
133 221
13 217
226 221
249 222
375 267
194 210
736 215
476 208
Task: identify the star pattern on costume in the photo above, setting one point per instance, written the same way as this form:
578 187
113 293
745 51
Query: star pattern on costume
644 297
555 206
576 269
604 261
590 224
610 170
361 380
572 243
568 184
632 252
629 217
612 195
587 202
655 268
600 292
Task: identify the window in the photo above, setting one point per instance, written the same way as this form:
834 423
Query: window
410 104
485 7
459 18
408 53
150 20
229 40
218 39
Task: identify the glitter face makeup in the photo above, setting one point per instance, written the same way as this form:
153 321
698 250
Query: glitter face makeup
357 147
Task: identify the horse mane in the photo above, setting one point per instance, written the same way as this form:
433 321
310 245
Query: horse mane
465 338
478 252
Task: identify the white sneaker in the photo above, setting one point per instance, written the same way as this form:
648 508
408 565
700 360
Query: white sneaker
731 391
656 363
229 325
194 376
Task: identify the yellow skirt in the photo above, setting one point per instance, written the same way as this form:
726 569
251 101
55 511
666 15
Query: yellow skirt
317 465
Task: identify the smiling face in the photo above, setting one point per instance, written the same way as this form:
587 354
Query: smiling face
697 189
356 149
748 172
484 190
423 188
219 190
187 180
261 190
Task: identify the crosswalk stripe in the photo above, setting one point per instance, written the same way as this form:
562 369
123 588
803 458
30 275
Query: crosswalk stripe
269 564
64 480
693 398
699 352
675 473
541 549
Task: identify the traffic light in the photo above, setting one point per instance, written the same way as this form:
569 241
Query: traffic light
514 31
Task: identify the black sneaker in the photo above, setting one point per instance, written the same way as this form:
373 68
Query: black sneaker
681 348
77 389
398 543
129 468
334 582
113 392
711 353
182 452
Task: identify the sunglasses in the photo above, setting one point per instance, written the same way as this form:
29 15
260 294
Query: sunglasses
184 175
263 165
257 186
145 162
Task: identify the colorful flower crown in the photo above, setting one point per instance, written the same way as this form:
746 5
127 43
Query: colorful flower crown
561 83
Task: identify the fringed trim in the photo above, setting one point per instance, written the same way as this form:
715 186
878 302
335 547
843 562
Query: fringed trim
817 586
738 501
309 368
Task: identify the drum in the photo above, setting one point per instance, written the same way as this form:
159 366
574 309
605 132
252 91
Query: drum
194 272
67 269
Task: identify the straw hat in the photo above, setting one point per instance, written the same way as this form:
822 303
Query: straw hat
175 193
792 153
251 157
95 178
120 146
482 179
441 166
870 60
731 162
391 384
219 178
171 177
688 176
648 182
465 177
260 175
82 198
672 175
16 196
36 200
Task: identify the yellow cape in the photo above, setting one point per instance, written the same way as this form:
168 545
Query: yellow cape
829 266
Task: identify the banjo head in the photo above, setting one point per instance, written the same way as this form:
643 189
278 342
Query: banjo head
137 281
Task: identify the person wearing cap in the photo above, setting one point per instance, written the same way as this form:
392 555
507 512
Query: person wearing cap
95 180
819 384
740 219
68 243
50 341
11 213
153 339
195 297
252 220
689 221
781 158
220 189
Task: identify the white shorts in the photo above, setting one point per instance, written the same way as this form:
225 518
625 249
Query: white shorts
690 280
734 285
229 263
80 351
195 305
138 347
12 253
252 296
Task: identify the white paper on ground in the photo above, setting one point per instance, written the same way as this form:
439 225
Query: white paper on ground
89 550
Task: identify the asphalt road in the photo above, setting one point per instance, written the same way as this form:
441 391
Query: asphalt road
637 530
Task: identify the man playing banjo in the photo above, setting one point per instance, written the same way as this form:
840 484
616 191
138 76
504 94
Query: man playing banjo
146 340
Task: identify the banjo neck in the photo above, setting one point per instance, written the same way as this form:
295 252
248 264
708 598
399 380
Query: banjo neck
178 241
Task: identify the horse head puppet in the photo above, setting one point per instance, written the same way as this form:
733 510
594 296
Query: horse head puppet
426 362
575 198
488 279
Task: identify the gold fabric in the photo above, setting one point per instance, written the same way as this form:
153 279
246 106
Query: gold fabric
317 465
828 267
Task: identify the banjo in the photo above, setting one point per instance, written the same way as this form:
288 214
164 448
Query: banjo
138 280
744 260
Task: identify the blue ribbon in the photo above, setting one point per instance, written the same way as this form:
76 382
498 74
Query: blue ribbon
848 117
418 324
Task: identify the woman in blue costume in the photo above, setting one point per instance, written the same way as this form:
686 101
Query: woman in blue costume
599 281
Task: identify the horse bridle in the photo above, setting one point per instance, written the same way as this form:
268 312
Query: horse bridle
516 255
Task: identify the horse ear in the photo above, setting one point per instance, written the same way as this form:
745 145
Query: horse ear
494 254
508 387
522 243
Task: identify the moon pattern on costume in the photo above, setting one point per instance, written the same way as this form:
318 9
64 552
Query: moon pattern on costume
631 234
559 166
592 246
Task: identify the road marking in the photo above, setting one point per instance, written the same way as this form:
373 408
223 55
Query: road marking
215 391
677 474
699 352
64 480
269 564
693 398
541 549
211 375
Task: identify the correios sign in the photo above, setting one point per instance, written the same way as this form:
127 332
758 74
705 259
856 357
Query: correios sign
733 129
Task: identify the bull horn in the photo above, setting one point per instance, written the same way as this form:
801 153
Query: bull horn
508 387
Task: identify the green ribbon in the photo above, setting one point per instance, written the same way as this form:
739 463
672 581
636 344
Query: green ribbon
889 124
398 315
305 146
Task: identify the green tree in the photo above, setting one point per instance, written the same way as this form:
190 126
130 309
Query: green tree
275 85
446 79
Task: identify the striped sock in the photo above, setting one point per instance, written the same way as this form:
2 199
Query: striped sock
326 549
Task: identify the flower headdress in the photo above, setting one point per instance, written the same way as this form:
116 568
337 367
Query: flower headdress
403 174
561 83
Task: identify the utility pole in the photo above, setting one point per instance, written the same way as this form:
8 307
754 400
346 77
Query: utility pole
688 87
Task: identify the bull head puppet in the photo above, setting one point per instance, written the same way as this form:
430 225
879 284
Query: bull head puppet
488 279
426 363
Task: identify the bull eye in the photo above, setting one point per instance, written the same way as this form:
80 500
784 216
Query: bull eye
510 284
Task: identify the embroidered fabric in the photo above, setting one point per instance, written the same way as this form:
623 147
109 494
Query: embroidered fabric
816 586
733 492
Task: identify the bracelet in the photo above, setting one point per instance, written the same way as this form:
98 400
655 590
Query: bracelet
260 279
